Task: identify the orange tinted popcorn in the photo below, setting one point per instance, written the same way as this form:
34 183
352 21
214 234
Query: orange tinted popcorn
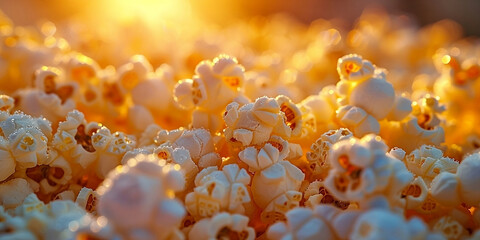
366 97
221 155
216 84
218 191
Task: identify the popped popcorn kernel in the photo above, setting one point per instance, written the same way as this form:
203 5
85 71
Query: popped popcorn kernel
165 125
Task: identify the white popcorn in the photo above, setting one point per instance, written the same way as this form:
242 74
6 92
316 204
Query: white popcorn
51 98
322 106
450 228
139 196
6 103
198 142
52 176
147 137
361 170
428 162
218 191
65 195
255 123
139 118
6 160
275 180
381 224
366 97
91 143
90 227
179 156
30 205
26 139
110 149
13 192
304 223
222 226
452 189
320 150
215 85
422 127
134 72
13 227
87 199
316 194
415 193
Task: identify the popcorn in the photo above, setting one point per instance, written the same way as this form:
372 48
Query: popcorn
236 166
14 191
453 189
139 197
255 123
25 139
87 199
199 142
276 181
6 103
322 109
422 127
331 223
222 226
51 97
320 150
316 194
52 176
218 191
215 85
428 162
361 170
366 97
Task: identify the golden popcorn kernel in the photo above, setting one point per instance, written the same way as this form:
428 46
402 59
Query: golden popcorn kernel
351 67
28 140
228 234
289 115
232 81
163 155
423 120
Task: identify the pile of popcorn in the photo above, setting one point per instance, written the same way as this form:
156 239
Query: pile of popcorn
294 138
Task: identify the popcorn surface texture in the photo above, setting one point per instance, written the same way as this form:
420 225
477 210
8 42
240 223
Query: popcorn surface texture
265 129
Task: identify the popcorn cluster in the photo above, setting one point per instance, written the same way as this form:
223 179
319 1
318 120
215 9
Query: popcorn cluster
257 146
